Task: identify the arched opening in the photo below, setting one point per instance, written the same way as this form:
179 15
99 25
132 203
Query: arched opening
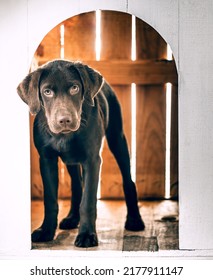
134 59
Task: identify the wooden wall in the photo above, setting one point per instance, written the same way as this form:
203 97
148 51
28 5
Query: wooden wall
150 72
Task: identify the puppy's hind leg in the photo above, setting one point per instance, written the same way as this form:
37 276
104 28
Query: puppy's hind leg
118 146
73 217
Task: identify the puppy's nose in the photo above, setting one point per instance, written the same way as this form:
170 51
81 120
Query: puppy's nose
64 120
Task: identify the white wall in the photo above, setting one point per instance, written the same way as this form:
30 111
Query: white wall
187 26
196 123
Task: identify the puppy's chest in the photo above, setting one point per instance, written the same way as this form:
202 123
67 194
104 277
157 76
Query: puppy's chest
73 156
70 151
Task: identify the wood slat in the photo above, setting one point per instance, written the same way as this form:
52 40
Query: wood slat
151 112
125 72
79 37
115 35
115 30
111 180
149 43
150 158
141 72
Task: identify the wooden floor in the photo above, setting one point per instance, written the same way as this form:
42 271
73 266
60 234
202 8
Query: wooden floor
160 217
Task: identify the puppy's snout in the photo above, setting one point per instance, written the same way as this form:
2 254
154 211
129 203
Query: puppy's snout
64 120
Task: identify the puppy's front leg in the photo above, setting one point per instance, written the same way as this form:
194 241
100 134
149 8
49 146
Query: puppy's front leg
49 173
87 236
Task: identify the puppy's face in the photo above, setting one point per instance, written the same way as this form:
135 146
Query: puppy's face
61 96
60 87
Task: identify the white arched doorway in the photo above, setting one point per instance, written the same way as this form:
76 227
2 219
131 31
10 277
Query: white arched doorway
125 50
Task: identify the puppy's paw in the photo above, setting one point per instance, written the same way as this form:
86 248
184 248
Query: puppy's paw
70 222
42 235
85 240
134 224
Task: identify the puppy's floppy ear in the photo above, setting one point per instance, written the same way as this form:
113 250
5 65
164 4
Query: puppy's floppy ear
92 81
28 90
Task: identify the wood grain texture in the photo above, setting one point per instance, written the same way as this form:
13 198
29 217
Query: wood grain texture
150 177
111 180
116 44
151 120
149 43
142 72
79 37
116 36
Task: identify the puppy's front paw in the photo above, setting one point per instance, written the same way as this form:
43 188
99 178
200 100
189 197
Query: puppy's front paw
134 224
85 240
70 222
42 235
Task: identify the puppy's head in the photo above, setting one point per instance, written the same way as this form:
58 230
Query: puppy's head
59 88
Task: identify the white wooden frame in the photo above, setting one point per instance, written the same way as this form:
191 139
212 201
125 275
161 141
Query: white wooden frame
187 26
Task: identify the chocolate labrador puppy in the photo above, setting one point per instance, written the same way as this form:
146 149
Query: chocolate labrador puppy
75 108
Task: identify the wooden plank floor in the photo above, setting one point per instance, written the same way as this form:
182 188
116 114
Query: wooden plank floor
160 217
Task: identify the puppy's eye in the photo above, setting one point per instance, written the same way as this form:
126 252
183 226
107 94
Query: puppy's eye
74 89
48 92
